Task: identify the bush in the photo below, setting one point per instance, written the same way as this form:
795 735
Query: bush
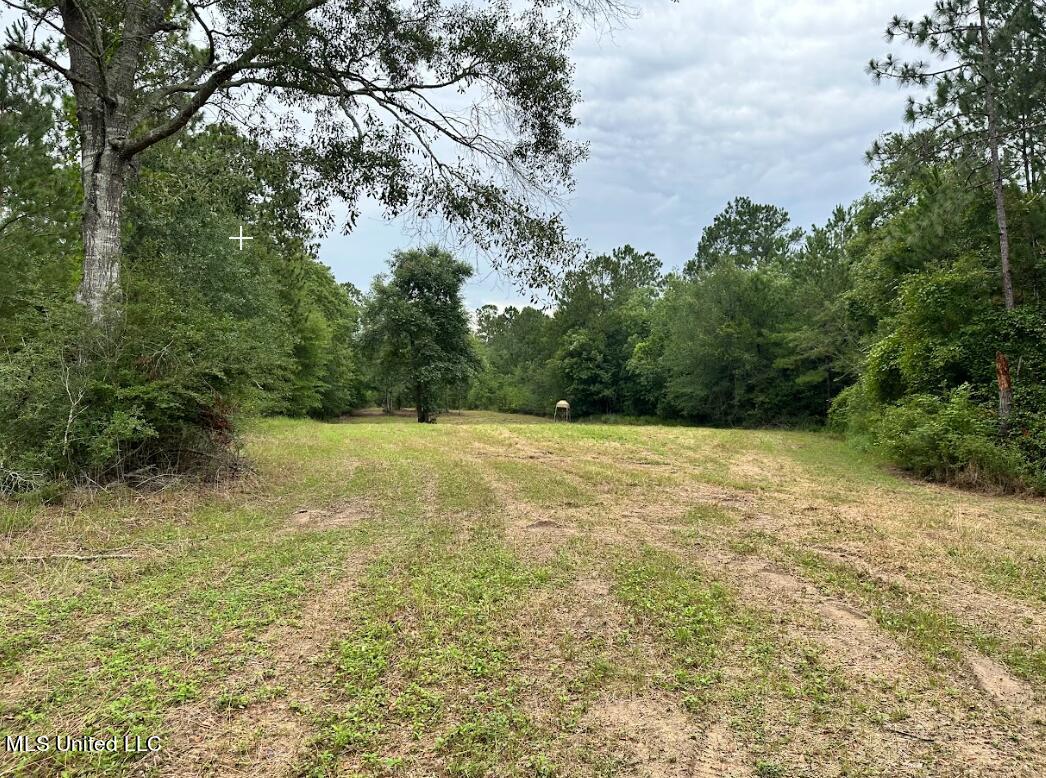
956 440
154 394
204 332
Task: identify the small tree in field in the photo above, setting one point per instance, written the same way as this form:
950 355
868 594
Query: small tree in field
416 328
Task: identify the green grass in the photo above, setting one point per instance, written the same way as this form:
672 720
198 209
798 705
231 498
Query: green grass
541 485
919 622
416 624
430 656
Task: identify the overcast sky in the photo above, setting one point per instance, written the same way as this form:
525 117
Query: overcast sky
695 103
692 104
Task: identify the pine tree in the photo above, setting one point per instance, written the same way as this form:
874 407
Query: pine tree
978 105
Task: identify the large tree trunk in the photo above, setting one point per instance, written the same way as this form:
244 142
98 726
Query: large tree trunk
104 175
103 84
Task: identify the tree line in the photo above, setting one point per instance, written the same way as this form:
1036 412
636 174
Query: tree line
883 323
133 335
135 137
913 319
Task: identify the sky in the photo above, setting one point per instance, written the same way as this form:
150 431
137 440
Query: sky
690 105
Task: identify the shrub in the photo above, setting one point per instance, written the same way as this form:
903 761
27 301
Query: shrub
954 439
153 394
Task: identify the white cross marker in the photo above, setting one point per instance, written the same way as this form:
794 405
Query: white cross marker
241 237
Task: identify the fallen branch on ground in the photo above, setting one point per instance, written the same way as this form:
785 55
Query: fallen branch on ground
74 557
907 733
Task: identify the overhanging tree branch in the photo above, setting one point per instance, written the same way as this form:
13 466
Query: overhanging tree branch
204 91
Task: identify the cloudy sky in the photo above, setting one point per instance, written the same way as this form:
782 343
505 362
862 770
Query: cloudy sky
692 104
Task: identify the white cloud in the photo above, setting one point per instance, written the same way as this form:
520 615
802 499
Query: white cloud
699 101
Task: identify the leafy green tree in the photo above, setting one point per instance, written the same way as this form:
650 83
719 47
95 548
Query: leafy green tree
983 87
925 272
747 234
517 344
208 332
822 340
326 378
728 343
968 108
603 312
376 78
38 240
720 347
416 328
178 235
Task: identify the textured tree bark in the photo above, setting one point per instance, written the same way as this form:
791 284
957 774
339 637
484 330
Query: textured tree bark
1002 368
104 181
104 86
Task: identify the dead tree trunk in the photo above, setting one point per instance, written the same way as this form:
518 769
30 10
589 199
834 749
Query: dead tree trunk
1002 375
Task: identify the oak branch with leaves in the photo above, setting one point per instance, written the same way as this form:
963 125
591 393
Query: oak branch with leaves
453 110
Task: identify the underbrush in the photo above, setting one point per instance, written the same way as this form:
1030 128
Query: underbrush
125 404
953 439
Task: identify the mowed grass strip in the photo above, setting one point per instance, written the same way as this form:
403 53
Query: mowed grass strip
937 634
729 662
112 658
426 675
917 619
429 665
107 648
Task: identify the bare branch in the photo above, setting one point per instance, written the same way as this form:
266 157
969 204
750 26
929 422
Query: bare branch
52 64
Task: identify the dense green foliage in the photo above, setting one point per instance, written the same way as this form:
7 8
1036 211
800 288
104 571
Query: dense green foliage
416 331
902 321
742 336
886 321
37 201
914 320
392 101
207 330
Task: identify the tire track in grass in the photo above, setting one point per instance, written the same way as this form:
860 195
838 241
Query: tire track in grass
694 621
855 642
257 721
254 720
847 631
425 680
721 750
903 661
156 650
767 703
166 636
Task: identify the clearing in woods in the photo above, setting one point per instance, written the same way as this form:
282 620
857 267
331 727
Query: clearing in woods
494 595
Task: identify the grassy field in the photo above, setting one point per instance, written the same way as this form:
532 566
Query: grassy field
496 595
